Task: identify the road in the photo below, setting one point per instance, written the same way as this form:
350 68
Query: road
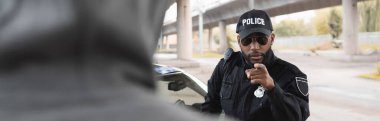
336 91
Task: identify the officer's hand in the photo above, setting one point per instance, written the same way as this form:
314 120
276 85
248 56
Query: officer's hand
259 75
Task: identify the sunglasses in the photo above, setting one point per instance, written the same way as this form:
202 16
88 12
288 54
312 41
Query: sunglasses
262 40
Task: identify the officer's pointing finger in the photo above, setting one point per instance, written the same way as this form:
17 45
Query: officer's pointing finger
259 66
256 81
257 72
253 81
258 77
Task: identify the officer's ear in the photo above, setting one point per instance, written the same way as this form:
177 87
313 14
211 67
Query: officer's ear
238 39
272 37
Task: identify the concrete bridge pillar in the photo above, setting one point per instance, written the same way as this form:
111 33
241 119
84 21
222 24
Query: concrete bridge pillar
223 36
184 30
200 31
251 4
209 36
161 41
350 27
167 45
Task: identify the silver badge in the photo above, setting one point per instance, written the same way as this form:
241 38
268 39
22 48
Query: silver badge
259 92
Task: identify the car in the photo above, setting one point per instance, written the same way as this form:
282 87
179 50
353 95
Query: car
180 87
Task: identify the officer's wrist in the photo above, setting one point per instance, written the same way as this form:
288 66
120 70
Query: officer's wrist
270 87
270 83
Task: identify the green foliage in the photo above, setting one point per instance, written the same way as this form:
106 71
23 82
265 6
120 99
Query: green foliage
370 15
216 35
329 21
231 36
230 33
320 22
216 38
335 22
291 28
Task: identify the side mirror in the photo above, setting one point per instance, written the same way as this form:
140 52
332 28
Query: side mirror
176 85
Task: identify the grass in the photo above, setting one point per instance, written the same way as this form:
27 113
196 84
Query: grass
374 76
370 46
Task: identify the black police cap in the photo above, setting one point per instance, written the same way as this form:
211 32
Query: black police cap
254 21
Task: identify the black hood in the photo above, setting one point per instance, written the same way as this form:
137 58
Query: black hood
85 37
58 53
81 60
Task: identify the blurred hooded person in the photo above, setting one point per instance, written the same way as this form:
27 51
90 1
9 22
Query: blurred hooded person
81 60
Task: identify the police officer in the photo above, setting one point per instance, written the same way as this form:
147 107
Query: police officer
254 84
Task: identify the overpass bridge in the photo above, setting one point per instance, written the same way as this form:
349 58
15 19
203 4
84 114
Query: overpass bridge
230 12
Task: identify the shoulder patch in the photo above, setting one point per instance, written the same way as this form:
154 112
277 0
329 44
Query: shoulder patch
228 53
302 85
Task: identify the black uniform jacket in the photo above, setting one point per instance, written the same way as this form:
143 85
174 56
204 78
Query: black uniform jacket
230 91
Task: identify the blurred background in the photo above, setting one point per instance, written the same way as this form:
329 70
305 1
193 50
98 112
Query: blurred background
335 42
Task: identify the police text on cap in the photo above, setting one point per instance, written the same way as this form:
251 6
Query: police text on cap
249 21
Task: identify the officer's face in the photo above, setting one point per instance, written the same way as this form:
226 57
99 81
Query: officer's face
255 46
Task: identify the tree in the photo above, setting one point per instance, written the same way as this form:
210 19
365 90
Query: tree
320 22
370 15
292 28
231 35
335 22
